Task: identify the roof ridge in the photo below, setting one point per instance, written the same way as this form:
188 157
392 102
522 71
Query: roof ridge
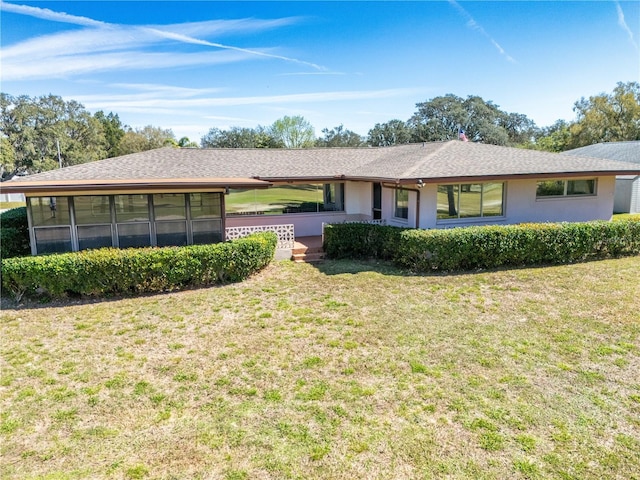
416 166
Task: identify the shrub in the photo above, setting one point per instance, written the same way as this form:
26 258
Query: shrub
470 248
361 240
111 271
14 233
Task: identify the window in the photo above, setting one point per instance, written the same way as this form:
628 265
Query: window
285 199
565 188
137 220
53 239
470 200
93 221
401 204
205 205
49 211
206 217
52 224
132 208
169 206
92 210
170 214
132 217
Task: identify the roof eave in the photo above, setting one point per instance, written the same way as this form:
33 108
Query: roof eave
131 185
515 176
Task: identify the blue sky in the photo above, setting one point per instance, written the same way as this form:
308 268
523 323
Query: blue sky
191 66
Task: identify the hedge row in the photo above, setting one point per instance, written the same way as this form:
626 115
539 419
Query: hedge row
111 271
14 233
471 248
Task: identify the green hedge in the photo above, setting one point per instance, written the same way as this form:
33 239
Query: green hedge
361 240
14 233
111 271
471 248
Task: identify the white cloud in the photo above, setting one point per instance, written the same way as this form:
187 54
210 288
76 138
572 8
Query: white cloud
135 102
67 65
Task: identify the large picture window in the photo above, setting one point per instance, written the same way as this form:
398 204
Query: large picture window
470 200
565 188
286 199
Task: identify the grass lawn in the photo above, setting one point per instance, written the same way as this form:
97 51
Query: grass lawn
10 205
347 370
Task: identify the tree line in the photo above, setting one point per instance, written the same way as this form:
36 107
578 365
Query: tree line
44 133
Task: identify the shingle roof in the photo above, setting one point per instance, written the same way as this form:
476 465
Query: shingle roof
430 162
620 151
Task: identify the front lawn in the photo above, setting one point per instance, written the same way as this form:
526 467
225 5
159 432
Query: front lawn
346 370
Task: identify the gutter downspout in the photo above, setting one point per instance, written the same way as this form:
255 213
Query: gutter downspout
418 208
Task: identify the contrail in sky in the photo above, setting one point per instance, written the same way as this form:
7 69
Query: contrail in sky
472 24
624 25
157 31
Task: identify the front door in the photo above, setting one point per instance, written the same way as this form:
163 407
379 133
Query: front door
377 201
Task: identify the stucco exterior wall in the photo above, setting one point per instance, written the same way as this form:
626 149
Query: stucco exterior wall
521 205
627 199
358 198
388 209
635 196
623 195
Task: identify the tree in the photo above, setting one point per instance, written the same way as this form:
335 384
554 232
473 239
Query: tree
520 129
442 118
439 119
184 142
340 137
146 138
293 132
556 138
113 131
237 137
46 131
7 157
393 132
608 118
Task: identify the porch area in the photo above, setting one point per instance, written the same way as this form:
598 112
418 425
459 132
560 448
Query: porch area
308 250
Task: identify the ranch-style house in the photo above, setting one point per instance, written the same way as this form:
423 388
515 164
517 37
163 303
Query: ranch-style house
182 196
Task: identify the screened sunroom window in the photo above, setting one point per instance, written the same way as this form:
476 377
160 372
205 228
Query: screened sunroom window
170 213
132 217
206 217
52 224
93 221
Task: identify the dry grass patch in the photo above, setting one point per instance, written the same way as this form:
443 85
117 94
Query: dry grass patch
348 370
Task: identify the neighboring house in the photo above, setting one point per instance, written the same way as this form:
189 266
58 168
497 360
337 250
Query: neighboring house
627 197
173 196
